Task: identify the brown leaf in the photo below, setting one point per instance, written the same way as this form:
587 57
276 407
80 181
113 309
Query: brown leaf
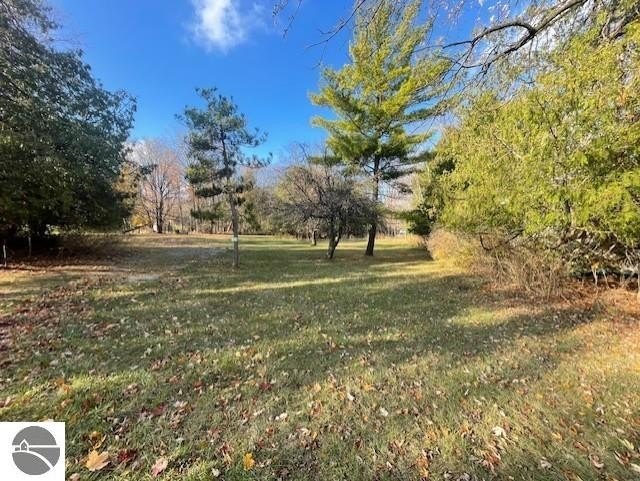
159 410
125 456
265 386
95 461
159 466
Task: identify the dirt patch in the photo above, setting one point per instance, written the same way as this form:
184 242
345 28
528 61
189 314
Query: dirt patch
142 278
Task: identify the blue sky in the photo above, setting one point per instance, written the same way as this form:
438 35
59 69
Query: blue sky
161 50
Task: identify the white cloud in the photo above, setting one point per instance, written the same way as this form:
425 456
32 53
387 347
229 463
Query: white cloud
224 24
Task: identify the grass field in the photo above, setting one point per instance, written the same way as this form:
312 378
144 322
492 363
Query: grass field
297 368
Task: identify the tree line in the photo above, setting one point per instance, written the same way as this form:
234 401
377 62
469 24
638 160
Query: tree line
526 142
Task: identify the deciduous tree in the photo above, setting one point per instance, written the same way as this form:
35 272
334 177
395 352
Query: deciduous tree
62 135
160 181
326 196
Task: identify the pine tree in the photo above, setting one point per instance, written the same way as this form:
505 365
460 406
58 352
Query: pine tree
383 97
218 136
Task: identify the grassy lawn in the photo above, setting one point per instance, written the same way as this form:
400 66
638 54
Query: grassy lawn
388 368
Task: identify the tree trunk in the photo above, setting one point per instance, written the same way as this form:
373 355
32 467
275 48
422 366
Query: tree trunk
181 217
4 252
372 239
314 239
235 229
332 247
196 206
334 240
160 216
373 229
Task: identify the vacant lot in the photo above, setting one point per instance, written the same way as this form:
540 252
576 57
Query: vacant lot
297 368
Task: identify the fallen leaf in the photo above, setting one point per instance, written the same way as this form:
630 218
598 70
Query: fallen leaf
544 464
159 466
384 412
595 460
215 472
95 461
125 456
423 467
248 462
580 446
499 432
159 410
265 386
74 477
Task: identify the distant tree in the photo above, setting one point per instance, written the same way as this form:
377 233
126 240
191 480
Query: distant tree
203 177
379 97
429 196
325 196
257 204
160 181
62 136
217 139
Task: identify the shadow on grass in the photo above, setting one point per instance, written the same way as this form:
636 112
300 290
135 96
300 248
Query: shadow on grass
241 347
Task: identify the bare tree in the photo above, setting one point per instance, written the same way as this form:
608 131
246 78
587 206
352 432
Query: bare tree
160 181
324 196
508 32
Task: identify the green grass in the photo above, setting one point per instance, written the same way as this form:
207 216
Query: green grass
392 368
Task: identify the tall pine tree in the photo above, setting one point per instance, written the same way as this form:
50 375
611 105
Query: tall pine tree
383 97
218 136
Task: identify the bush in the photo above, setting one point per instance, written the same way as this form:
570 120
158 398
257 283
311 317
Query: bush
549 175
457 248
522 265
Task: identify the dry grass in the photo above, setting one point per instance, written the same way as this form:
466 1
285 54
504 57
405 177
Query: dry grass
514 266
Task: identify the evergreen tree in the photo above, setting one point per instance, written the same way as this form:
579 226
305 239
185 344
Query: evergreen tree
218 136
383 97
62 136
556 164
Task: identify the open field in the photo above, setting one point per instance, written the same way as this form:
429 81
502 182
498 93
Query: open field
297 368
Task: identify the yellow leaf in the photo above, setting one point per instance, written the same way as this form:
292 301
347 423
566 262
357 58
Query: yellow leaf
248 462
95 461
